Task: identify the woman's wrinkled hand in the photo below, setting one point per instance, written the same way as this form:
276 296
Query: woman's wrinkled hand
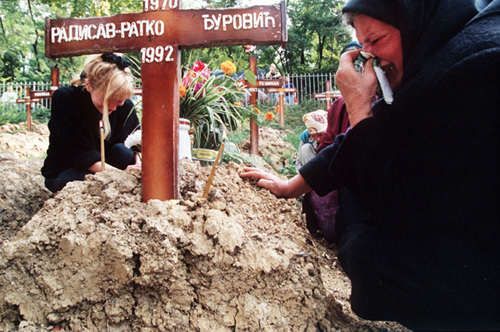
281 188
266 180
358 90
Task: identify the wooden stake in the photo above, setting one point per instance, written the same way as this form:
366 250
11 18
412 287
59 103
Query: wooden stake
214 166
103 157
254 128
28 108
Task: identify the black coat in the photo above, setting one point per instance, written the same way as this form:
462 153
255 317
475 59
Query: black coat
421 211
74 130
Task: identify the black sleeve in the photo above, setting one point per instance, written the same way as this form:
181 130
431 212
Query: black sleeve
320 164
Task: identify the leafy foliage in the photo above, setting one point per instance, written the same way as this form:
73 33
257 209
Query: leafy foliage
16 113
212 102
316 36
22 33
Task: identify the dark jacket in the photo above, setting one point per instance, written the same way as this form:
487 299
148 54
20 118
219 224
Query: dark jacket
338 122
74 130
421 239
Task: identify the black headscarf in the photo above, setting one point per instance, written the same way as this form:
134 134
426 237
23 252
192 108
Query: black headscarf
425 25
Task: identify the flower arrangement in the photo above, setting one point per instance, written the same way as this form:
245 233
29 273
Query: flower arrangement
211 100
134 141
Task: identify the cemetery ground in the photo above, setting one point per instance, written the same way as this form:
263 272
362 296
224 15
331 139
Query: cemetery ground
93 257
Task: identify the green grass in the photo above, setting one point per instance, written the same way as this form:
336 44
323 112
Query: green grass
293 119
16 113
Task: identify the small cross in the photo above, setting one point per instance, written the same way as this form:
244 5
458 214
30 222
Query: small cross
37 96
328 95
282 92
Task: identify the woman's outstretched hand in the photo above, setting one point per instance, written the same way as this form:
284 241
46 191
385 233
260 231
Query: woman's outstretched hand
281 188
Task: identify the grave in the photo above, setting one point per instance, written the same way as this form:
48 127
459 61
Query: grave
37 96
159 33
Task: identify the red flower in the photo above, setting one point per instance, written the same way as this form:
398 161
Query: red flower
250 48
201 68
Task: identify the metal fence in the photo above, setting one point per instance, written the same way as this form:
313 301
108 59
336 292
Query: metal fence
9 92
307 85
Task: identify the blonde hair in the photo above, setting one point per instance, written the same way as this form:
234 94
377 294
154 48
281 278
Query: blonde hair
115 84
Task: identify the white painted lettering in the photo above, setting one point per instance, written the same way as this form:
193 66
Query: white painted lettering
92 36
85 32
258 20
208 24
159 28
217 21
54 33
247 21
157 54
101 31
173 4
64 35
110 30
269 18
125 27
73 32
141 27
237 22
134 31
226 20
149 28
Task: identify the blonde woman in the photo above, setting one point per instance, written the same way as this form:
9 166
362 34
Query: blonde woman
100 94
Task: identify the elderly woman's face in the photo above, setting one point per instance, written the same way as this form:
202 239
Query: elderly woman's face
383 41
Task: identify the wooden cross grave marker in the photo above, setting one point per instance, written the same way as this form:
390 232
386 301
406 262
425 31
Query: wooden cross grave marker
254 94
158 33
328 95
37 96
282 92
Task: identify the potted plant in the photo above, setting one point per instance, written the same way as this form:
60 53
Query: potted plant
211 101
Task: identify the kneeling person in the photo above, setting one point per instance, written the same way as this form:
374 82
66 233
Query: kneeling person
100 94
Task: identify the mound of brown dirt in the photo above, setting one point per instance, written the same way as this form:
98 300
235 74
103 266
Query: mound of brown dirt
273 148
95 258
22 193
16 139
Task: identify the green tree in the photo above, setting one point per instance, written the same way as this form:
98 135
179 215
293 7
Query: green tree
22 34
316 35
